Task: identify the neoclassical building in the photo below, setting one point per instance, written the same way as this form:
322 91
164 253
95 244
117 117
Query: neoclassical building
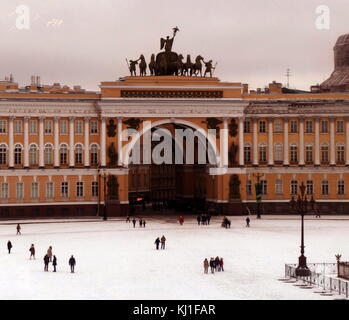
62 152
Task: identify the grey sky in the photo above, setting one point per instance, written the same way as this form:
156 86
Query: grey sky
253 41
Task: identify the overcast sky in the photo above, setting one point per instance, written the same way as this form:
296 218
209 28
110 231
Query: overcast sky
253 41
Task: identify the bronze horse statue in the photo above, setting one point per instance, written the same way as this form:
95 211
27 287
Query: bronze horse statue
153 66
142 66
188 67
197 66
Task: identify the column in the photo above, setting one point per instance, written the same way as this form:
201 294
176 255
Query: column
11 158
120 153
241 142
224 143
41 142
103 142
347 141
332 143
301 141
317 141
286 150
87 142
71 142
255 142
26 142
270 142
56 143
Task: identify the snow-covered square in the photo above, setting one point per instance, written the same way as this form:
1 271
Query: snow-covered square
117 261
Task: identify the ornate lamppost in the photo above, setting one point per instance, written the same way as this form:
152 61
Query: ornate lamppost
301 205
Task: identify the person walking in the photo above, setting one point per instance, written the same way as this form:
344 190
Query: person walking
198 220
9 246
32 252
248 222
163 241
134 222
54 263
217 265
206 265
181 220
46 262
140 222
157 242
143 223
208 219
128 219
221 263
212 265
49 253
72 263
18 229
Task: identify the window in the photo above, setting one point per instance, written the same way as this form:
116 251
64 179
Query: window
78 126
33 127
262 126
262 153
308 126
3 126
4 191
35 190
78 154
19 191
340 153
79 189
294 153
93 127
247 126
278 152
49 190
324 188
309 187
293 126
309 154
264 187
63 126
64 189
247 154
63 154
18 126
249 187
294 187
94 189
3 154
324 126
94 154
48 154
324 153
48 126
340 187
278 126
278 186
18 154
33 155
340 126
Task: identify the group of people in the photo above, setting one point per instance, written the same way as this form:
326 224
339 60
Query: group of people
226 223
216 264
134 221
158 241
203 219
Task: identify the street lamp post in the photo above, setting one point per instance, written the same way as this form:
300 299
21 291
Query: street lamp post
258 188
105 175
301 205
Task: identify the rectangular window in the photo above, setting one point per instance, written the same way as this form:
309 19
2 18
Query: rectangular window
278 126
293 126
18 126
35 190
309 154
294 154
324 188
3 126
308 126
249 187
94 127
79 189
64 189
19 191
49 190
340 187
262 153
78 127
63 126
247 154
340 154
278 186
262 126
294 187
264 187
48 126
324 126
94 189
4 191
324 153
33 126
340 126
310 187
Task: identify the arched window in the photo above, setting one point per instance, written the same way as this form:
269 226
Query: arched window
18 154
262 153
3 154
78 154
48 154
324 153
63 154
33 155
278 152
340 153
94 154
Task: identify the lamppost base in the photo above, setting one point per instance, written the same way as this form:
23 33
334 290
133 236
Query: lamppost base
302 270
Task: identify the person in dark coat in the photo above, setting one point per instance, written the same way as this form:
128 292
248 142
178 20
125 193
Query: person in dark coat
248 222
46 262
212 265
32 252
134 222
54 263
157 242
163 241
9 246
206 264
72 263
143 223
128 219
221 263
18 229
217 265
208 219
140 222
198 219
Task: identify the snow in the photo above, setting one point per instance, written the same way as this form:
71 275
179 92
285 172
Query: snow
117 261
